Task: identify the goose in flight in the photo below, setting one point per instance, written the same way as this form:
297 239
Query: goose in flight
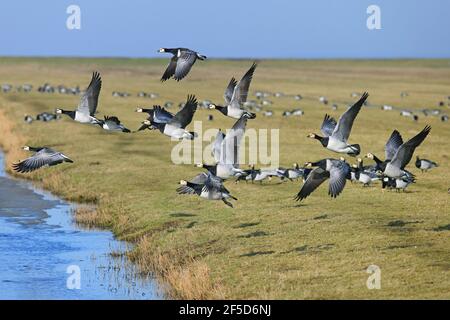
226 151
396 167
112 124
43 157
336 134
207 186
176 127
157 114
236 95
425 164
85 112
394 142
337 171
181 63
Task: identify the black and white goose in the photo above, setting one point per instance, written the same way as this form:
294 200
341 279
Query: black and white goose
85 112
112 124
336 134
393 143
396 167
425 164
176 127
157 114
207 186
226 151
181 63
236 95
43 156
336 170
296 172
365 174
397 184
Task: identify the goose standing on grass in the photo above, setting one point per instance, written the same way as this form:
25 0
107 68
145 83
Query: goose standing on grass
226 151
365 174
296 172
425 164
157 114
112 124
176 127
85 112
43 157
395 168
236 95
397 184
336 170
181 63
394 142
336 134
207 186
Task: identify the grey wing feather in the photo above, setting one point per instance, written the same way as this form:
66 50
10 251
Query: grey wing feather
404 154
328 125
394 142
338 178
200 178
170 70
345 123
185 115
45 157
184 64
231 143
240 92
161 115
216 148
228 95
314 180
89 100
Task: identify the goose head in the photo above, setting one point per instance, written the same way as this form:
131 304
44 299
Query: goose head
369 155
58 111
183 182
26 148
199 165
212 106
161 50
139 110
308 165
311 135
147 122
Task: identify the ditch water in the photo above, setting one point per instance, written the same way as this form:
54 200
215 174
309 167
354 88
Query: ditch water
45 255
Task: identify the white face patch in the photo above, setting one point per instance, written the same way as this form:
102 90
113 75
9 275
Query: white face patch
179 53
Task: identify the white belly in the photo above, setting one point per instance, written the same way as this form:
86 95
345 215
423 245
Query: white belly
224 171
174 132
83 118
338 146
235 112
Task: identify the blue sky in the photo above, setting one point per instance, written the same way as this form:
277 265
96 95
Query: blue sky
231 28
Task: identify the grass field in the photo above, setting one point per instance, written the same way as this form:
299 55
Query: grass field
268 246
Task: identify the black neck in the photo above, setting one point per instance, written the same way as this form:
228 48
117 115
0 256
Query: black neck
321 164
323 140
159 126
222 109
69 113
171 50
212 169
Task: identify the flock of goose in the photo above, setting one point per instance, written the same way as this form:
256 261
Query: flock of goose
210 184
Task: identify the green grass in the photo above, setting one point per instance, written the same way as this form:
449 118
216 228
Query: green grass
268 246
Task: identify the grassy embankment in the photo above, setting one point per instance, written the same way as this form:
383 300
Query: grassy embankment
268 246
